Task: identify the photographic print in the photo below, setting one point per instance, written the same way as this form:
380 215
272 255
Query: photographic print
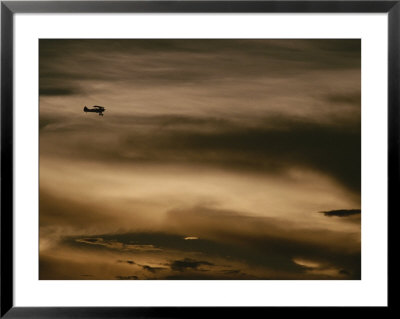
199 159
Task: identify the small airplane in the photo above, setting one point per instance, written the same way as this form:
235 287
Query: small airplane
96 109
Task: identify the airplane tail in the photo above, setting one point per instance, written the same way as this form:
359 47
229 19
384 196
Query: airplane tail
85 109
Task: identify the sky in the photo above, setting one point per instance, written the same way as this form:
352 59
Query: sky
215 159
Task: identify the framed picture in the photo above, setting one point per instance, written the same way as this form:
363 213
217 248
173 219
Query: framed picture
160 158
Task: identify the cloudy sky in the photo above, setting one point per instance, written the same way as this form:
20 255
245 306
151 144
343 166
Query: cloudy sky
215 159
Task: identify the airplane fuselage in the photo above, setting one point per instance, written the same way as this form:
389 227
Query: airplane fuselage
99 110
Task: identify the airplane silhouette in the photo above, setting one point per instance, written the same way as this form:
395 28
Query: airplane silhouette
96 109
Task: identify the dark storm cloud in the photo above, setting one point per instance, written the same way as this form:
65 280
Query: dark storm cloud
342 212
271 145
334 149
170 62
268 243
60 47
187 263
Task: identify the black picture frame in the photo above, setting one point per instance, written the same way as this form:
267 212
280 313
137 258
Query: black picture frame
9 8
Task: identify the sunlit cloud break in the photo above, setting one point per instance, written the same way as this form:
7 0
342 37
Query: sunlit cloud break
191 238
